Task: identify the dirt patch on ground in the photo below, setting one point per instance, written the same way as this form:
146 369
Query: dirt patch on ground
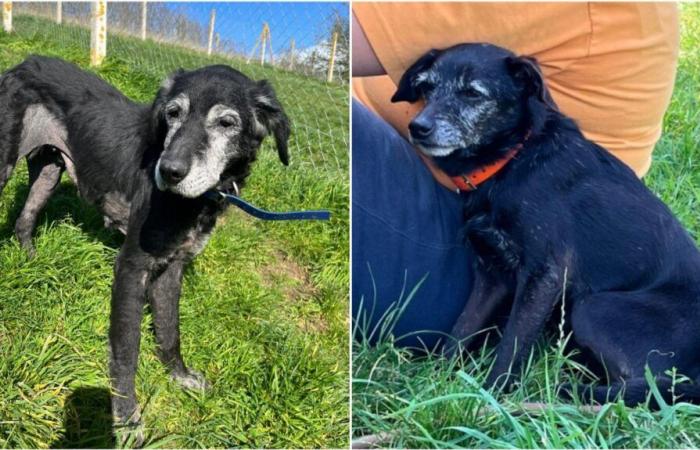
297 285
285 275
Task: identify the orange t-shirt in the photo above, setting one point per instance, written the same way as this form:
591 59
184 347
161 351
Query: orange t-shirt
610 66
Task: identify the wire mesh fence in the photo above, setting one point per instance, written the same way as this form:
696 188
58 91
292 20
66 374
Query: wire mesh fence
302 48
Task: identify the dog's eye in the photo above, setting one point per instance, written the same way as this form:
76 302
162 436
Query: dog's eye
226 122
173 113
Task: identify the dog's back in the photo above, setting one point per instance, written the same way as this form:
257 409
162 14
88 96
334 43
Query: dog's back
38 75
50 102
573 192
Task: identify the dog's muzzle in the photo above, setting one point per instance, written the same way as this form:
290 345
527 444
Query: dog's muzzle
419 133
185 182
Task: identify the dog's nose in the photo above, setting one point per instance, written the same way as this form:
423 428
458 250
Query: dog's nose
420 129
172 171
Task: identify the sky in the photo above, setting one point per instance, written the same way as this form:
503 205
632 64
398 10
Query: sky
305 22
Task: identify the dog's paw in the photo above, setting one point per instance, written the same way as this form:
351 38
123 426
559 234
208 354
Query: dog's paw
28 248
31 253
191 379
129 433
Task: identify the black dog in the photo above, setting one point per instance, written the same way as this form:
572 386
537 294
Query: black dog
145 167
557 204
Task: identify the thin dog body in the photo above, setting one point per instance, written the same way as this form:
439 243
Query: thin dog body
562 216
145 167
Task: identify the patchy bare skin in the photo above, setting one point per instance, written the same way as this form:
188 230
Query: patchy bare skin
39 128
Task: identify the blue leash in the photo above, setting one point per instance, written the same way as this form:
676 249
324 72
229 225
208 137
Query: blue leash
267 215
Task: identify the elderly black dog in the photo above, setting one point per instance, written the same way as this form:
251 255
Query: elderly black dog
146 168
555 204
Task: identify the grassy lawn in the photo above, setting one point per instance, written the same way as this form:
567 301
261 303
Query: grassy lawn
264 307
437 403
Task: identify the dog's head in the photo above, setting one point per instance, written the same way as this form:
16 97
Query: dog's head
211 122
475 94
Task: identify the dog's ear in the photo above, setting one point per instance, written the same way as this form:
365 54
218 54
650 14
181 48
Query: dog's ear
168 83
410 81
526 71
271 116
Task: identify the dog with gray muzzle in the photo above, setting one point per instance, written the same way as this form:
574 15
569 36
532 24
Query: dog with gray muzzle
146 168
557 223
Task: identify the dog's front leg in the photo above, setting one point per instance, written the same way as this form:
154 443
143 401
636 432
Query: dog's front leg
536 296
486 295
128 297
164 297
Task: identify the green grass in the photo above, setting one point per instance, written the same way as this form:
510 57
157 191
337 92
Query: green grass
431 402
264 307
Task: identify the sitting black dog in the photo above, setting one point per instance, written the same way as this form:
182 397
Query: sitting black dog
146 167
543 201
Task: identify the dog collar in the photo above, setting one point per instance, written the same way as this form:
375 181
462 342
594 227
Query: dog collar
469 181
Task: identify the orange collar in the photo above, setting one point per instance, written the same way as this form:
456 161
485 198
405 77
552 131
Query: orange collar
469 181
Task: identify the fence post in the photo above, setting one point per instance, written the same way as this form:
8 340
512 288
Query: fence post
212 20
144 19
331 63
98 36
7 16
59 12
263 42
291 55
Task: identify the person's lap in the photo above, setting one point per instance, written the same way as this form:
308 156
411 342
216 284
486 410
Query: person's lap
405 232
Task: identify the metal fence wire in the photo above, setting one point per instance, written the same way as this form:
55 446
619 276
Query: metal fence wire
302 48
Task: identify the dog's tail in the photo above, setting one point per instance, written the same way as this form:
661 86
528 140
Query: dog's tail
634 392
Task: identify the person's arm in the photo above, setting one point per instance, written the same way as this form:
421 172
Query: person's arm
364 60
366 64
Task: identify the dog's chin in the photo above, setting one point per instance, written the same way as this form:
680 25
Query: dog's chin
436 152
432 150
190 191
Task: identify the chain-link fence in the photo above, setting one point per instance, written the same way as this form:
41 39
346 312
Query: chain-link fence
302 48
